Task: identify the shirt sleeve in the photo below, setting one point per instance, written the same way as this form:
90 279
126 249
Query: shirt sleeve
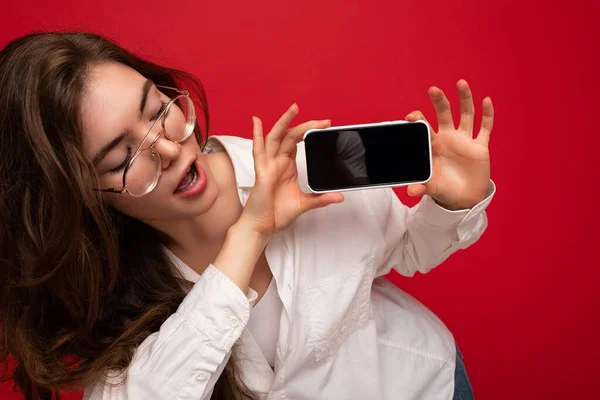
184 359
421 237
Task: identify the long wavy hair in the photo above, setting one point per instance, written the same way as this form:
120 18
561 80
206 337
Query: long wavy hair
81 285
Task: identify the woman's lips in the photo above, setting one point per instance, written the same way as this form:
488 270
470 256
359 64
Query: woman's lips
197 186
190 176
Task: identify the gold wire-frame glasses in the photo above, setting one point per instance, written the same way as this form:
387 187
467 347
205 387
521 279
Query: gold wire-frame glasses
153 154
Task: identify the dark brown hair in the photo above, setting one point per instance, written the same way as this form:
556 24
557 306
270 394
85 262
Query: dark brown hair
81 285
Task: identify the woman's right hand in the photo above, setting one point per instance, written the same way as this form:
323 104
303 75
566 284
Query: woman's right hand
276 199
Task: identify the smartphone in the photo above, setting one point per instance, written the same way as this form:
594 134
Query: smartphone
355 157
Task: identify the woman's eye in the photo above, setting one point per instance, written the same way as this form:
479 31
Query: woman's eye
122 166
162 107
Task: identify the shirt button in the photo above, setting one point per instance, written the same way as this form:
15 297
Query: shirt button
233 321
201 376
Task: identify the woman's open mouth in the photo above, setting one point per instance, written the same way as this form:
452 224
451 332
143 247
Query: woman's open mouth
193 183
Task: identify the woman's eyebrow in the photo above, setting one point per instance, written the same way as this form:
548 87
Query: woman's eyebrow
147 86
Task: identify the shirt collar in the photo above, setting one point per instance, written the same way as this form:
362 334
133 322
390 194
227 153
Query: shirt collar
240 154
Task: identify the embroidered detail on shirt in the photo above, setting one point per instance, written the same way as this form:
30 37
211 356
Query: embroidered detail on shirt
326 334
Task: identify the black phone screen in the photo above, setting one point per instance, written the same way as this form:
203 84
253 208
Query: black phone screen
368 156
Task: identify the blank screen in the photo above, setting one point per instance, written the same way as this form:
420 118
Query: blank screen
376 155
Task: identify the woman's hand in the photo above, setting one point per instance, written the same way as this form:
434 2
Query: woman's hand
461 163
276 199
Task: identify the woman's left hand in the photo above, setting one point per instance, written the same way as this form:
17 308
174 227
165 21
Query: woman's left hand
461 163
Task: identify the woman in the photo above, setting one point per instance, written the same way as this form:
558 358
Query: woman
141 260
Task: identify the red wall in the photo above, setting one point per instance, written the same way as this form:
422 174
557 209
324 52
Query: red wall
523 301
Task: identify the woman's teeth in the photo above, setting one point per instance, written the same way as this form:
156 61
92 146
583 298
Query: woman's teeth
190 178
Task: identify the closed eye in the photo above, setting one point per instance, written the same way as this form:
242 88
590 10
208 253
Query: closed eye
124 164
162 107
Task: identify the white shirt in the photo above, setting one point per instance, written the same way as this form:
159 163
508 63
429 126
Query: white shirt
264 322
345 331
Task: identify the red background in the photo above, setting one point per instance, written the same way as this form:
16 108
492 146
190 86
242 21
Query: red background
523 301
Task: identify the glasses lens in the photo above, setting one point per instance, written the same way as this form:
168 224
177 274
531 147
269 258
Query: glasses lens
180 119
143 173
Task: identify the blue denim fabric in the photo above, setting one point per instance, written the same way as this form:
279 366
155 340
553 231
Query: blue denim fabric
462 385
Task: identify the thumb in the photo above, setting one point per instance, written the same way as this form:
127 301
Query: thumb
416 190
312 200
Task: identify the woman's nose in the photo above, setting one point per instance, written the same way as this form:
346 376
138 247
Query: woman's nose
168 150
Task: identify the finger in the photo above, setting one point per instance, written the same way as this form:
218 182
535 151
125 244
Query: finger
417 190
467 109
418 116
273 139
258 143
487 121
415 116
295 134
310 201
442 108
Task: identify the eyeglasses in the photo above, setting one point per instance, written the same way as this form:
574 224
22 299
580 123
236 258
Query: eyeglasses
177 123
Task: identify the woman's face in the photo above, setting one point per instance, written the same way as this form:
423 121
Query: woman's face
117 114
